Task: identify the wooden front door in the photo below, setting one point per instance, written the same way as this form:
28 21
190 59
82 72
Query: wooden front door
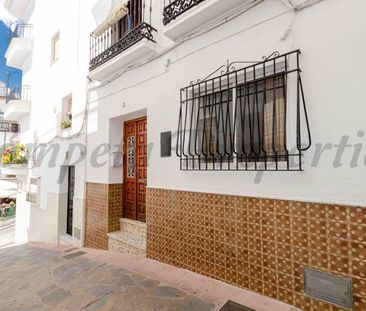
135 169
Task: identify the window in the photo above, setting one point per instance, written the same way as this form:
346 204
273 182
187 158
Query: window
260 131
66 113
248 119
55 48
14 128
132 19
212 133
258 123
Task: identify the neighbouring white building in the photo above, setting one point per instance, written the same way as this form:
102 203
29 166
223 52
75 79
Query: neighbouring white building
223 137
9 129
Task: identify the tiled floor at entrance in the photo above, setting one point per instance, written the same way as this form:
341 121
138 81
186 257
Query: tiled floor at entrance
45 277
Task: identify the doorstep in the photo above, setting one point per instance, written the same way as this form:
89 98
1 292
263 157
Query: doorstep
66 239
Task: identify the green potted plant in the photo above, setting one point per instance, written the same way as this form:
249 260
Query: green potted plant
65 124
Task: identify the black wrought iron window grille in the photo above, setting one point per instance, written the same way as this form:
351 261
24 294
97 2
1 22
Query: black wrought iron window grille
175 8
251 119
119 37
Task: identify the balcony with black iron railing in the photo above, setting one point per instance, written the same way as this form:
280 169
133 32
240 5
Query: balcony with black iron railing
175 8
18 101
181 17
124 35
20 46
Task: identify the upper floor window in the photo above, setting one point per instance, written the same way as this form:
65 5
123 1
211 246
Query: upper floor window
66 113
248 119
55 48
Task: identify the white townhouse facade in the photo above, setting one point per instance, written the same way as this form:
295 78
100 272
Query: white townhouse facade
223 137
8 129
46 49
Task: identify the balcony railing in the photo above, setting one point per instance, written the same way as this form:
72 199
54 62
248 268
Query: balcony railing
175 8
23 31
19 92
128 31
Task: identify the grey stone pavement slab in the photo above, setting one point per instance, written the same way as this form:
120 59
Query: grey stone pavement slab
32 278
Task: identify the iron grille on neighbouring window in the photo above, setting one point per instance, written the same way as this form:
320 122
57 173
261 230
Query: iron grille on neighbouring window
245 119
175 8
9 126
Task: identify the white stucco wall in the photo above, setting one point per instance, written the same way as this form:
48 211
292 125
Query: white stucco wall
330 35
50 84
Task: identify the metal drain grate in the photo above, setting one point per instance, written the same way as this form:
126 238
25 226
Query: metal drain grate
233 306
331 288
73 255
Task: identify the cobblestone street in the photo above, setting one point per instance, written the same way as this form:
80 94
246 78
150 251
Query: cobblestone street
44 277
41 279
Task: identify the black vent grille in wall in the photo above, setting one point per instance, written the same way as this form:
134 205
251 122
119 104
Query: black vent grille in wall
252 119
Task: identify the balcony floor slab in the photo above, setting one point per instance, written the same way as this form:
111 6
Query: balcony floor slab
141 50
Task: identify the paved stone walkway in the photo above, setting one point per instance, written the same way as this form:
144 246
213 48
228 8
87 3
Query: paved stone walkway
43 277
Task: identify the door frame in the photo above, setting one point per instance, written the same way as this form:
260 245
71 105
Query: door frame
124 165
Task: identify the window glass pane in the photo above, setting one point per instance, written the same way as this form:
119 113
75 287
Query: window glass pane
131 157
274 116
214 129
260 119
250 101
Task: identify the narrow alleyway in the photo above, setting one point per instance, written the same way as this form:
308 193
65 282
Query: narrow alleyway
43 277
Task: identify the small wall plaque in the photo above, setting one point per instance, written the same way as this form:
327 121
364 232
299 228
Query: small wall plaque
116 159
166 144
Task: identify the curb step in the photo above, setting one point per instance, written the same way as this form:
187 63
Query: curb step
125 242
134 227
130 239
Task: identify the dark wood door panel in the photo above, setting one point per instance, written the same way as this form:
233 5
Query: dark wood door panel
142 169
135 169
